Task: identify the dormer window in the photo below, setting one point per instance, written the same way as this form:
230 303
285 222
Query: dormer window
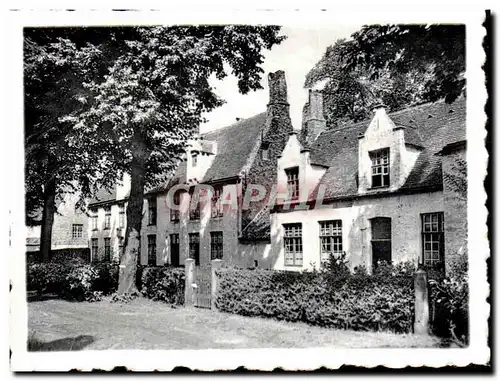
264 151
292 182
380 168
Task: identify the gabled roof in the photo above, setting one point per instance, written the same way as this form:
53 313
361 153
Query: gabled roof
103 195
234 146
430 126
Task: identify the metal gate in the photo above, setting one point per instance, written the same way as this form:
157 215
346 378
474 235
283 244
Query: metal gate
203 290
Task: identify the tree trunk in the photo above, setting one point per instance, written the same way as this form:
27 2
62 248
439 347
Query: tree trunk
132 244
49 209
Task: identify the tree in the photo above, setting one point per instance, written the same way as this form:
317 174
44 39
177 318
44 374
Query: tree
53 166
399 65
151 101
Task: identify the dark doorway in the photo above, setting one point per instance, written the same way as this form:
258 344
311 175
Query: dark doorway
381 240
194 247
174 250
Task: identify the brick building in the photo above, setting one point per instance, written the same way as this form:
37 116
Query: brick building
380 183
69 230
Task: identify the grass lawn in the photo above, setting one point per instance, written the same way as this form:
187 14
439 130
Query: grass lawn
144 324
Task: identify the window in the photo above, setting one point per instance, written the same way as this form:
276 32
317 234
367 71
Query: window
381 229
216 245
293 244
107 217
174 249
120 246
121 219
152 211
95 248
77 231
107 249
380 168
195 160
330 237
194 247
194 213
433 238
175 209
292 177
217 207
152 250
93 218
265 153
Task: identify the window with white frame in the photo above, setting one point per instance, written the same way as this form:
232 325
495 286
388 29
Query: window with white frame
121 241
152 249
107 249
121 216
380 168
77 231
216 245
264 150
107 217
293 244
433 238
330 237
175 212
93 218
292 181
95 248
194 211
217 207
152 211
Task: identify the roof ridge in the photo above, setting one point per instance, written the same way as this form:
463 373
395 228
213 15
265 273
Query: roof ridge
231 125
394 113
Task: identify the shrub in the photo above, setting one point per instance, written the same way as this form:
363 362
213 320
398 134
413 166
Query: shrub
163 283
358 302
125 298
107 278
73 280
79 284
449 302
46 277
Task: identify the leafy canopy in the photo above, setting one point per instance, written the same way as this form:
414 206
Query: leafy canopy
90 91
400 65
155 89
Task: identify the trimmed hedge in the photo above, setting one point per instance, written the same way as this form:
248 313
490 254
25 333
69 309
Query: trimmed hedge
80 281
166 284
338 300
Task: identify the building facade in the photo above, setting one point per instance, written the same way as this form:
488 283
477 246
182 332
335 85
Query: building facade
69 230
375 190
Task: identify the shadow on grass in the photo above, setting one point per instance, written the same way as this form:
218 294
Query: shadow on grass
36 297
67 344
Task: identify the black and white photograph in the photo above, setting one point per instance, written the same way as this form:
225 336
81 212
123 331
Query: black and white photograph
263 190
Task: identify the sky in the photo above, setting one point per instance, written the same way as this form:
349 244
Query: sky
296 56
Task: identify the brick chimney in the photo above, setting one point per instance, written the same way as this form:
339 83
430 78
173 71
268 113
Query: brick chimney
277 88
278 123
262 169
314 122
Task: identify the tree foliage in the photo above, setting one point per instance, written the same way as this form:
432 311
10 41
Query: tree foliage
399 65
139 94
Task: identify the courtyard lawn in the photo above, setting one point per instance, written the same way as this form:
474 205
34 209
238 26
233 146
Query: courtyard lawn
144 324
